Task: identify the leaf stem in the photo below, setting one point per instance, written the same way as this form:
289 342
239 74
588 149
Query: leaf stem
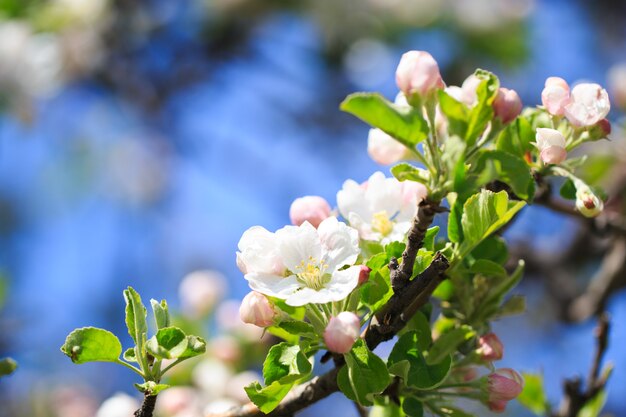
131 367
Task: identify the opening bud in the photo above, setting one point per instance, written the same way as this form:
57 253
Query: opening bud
383 148
490 348
342 331
312 209
256 309
418 73
555 96
507 105
551 145
587 203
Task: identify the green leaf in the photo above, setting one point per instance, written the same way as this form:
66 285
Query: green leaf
406 125
135 315
269 397
413 407
161 313
516 138
365 374
298 328
377 289
568 190
168 343
493 249
482 112
429 238
129 355
455 230
151 387
286 364
456 113
448 343
406 361
7 366
488 268
483 214
421 327
90 344
195 346
394 250
533 396
509 169
516 304
386 410
594 406
407 172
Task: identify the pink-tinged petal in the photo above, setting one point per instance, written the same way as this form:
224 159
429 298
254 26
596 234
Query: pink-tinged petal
259 252
549 137
273 285
553 155
351 199
418 73
257 309
384 149
507 105
312 209
590 104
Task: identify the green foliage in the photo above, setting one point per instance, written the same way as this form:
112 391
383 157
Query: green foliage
365 374
161 313
533 396
407 172
407 361
267 398
448 343
7 366
151 387
594 406
405 124
412 407
91 344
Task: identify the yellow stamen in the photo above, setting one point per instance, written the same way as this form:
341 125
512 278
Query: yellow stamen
381 223
312 273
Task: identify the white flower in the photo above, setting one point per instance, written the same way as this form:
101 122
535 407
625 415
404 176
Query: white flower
259 247
383 148
382 208
312 258
551 145
589 104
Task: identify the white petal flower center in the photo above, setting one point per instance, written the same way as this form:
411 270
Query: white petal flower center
381 223
312 273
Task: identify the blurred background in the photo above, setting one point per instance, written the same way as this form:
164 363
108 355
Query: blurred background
140 138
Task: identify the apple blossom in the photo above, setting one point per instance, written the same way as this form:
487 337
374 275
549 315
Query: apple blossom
555 96
312 209
364 274
418 73
256 309
551 145
314 260
383 148
589 104
490 347
200 290
382 208
507 105
259 247
587 203
342 331
468 90
502 386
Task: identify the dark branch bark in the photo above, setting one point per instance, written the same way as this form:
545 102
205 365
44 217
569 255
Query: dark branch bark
147 407
407 299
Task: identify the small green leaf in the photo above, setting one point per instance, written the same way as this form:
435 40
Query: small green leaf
151 387
168 343
509 169
493 249
413 407
135 315
594 406
7 366
406 125
394 249
568 190
406 361
269 397
420 325
482 112
298 328
161 313
455 230
365 374
429 238
516 304
456 113
533 396
286 364
488 268
195 346
407 172
90 344
448 343
129 355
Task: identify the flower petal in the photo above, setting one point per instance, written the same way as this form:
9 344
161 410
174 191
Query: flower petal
351 199
259 252
273 285
383 194
338 288
340 243
297 244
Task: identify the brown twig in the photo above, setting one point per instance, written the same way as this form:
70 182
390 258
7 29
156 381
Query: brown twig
147 407
575 396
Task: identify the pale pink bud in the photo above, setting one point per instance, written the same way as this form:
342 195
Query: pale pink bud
200 290
384 149
364 274
507 105
551 145
418 73
342 331
312 209
497 406
555 96
256 309
490 347
587 203
504 384
589 104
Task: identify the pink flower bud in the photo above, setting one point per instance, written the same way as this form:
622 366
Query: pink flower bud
312 209
497 406
256 309
418 73
551 145
587 203
384 149
490 347
507 105
504 384
468 90
342 331
555 96
364 274
589 104
605 127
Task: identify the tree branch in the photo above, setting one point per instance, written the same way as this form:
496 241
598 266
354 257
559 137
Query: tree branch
147 407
